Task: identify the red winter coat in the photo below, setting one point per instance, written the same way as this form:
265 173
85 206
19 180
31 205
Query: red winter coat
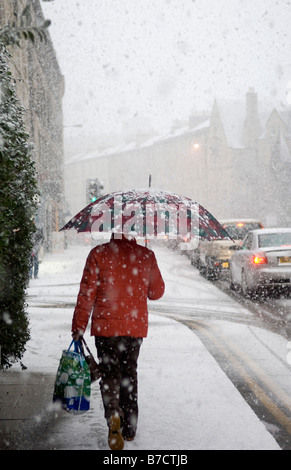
118 278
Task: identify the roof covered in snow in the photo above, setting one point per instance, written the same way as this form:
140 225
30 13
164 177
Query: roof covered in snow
232 115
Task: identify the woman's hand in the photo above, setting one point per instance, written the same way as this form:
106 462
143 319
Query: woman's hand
76 335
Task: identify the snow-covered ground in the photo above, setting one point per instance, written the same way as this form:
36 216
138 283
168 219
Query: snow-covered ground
186 401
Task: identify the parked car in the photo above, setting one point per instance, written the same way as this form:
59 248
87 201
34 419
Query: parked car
212 257
263 260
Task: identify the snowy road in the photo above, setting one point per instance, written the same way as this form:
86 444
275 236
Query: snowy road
236 332
254 358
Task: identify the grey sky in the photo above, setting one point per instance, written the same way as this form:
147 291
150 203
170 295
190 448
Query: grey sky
136 62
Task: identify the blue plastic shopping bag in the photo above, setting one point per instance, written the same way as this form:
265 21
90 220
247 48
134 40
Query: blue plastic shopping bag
73 383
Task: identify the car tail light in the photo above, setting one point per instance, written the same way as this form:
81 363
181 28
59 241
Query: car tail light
260 258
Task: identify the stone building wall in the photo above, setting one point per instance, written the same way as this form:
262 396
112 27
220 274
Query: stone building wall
40 89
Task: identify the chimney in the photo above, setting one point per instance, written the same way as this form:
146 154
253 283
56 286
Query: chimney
252 127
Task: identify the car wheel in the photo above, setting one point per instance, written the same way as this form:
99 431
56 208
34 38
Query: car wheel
210 272
201 268
246 290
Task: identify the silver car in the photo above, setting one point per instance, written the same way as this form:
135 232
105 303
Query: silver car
263 260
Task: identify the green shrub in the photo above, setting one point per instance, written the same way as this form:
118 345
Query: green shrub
18 189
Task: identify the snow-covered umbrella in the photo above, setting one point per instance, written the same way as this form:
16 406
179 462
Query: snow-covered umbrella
148 213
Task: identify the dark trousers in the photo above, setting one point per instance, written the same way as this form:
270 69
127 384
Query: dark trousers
34 264
118 384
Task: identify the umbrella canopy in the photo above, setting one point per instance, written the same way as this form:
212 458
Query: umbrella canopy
148 213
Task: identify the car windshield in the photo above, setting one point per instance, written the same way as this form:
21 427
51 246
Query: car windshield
275 239
239 230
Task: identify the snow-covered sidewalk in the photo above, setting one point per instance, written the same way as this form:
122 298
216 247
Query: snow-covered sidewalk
186 401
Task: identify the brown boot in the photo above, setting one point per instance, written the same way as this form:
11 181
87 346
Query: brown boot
115 439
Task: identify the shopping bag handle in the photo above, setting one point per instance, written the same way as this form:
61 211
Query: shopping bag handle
82 340
79 350
77 346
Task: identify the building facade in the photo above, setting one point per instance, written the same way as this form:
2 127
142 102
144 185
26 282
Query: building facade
235 161
40 89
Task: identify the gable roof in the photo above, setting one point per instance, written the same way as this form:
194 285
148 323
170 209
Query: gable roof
233 113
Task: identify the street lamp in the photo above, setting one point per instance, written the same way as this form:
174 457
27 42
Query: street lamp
198 146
